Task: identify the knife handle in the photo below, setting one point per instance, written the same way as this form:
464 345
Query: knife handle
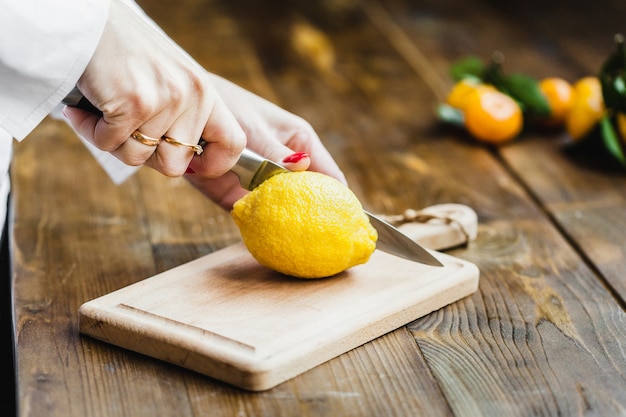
76 99
247 166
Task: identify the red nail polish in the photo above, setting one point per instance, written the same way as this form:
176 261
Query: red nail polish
296 157
189 171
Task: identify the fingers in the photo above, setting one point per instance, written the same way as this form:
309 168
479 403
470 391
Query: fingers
96 129
303 150
176 151
224 141
172 149
156 89
276 133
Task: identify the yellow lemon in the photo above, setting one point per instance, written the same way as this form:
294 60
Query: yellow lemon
305 224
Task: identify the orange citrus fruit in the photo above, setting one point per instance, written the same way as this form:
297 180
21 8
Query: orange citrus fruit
460 91
587 108
463 89
560 96
492 116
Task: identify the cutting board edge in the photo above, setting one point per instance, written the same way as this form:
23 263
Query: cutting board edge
288 369
243 370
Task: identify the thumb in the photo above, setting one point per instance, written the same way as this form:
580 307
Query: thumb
82 121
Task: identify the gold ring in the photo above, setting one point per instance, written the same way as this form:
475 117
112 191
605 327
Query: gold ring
146 140
196 148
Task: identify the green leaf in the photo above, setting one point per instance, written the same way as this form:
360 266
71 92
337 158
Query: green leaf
526 91
449 114
613 77
522 88
493 73
619 85
611 140
469 67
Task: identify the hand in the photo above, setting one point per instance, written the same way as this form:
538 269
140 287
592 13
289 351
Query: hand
142 81
272 132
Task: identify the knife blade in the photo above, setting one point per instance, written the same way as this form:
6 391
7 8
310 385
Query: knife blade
252 169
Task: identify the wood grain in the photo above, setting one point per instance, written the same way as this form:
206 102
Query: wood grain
544 305
226 316
544 334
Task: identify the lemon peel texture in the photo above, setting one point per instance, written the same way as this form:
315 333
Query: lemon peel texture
305 224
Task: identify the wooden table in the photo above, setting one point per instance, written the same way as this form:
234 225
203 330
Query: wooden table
545 334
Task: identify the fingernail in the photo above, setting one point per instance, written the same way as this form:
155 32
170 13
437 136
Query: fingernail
63 111
189 171
296 157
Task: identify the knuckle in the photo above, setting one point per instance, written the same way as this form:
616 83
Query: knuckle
171 170
304 132
134 160
108 143
106 146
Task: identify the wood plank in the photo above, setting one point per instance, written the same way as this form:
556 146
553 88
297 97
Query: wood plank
507 350
510 350
586 201
362 382
581 187
63 216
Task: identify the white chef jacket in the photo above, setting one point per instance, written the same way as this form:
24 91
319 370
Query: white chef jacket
44 49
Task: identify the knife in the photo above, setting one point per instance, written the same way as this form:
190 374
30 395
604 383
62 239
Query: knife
252 169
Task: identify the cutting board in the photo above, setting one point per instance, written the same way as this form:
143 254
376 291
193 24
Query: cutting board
226 316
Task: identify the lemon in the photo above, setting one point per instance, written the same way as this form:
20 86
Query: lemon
305 224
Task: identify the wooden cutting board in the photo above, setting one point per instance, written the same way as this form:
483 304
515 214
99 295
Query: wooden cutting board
226 316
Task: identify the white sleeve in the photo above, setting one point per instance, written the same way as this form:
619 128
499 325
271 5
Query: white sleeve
44 49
